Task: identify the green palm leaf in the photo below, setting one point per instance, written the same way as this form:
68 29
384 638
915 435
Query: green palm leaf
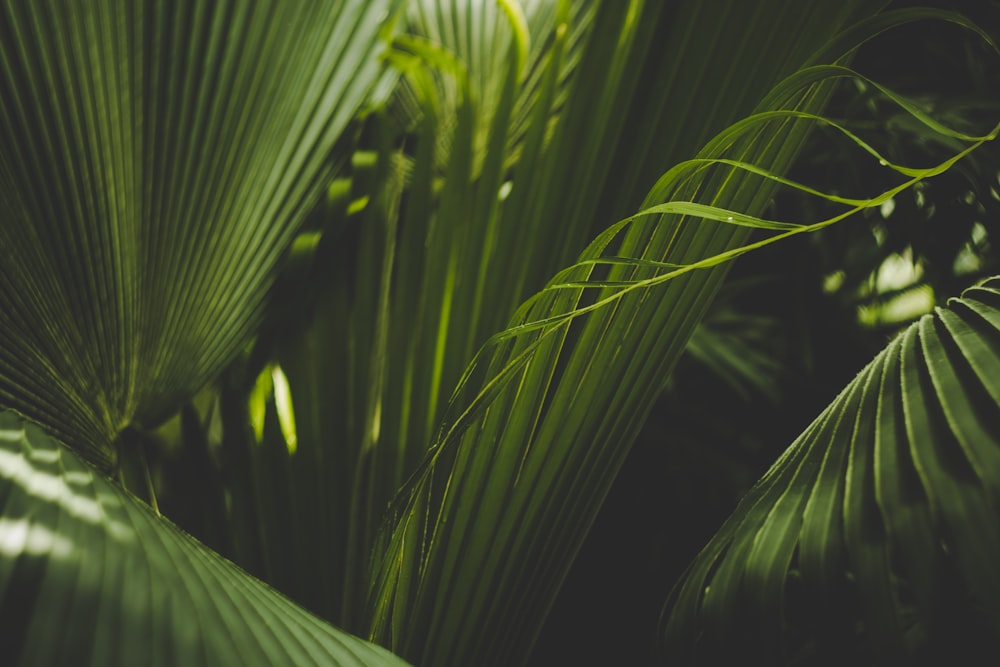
407 292
482 40
878 531
90 576
156 161
542 420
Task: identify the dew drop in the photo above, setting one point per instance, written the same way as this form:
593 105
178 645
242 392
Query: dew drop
883 163
729 219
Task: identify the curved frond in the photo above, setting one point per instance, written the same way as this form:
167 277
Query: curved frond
156 160
90 576
877 533
542 419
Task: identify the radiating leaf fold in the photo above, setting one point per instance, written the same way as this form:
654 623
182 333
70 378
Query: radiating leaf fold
156 160
894 555
90 576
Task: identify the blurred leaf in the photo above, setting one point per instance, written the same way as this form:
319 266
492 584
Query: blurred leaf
741 349
404 296
482 41
90 576
304 502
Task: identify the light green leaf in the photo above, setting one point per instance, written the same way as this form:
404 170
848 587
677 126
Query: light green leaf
90 576
483 42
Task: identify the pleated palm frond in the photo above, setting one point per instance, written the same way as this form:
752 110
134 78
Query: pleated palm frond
404 292
481 40
90 576
417 280
876 535
533 437
156 160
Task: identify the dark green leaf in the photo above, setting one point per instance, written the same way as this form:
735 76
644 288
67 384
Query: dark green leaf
891 550
156 160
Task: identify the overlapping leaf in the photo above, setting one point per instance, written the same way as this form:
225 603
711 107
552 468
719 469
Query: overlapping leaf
155 161
877 533
90 576
482 41
541 424
407 292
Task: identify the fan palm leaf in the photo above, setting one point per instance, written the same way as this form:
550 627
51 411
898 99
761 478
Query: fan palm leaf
155 162
91 576
884 511
542 420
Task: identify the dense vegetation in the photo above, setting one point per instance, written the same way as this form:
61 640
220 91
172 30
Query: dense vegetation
381 301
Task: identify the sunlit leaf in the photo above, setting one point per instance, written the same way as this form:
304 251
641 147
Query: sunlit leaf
90 576
481 41
156 160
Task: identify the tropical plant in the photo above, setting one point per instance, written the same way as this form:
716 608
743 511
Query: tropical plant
372 298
